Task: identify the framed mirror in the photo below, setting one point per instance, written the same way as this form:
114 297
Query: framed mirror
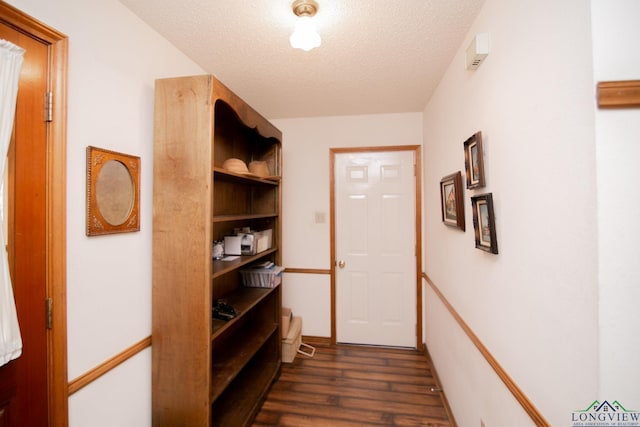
113 192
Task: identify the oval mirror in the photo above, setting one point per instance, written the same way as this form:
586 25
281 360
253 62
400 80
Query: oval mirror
114 192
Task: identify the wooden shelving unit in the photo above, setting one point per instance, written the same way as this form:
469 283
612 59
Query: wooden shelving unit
210 372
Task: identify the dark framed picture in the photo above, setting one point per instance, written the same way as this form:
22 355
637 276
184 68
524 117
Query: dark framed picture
474 161
452 205
484 223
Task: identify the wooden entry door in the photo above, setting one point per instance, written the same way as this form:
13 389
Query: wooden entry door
20 28
375 241
26 377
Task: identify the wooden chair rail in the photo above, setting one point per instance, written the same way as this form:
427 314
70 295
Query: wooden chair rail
108 365
307 270
619 94
522 399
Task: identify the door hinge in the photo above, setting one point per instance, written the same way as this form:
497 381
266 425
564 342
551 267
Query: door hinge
48 107
49 312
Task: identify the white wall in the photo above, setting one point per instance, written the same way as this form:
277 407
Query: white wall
114 59
306 243
535 304
615 39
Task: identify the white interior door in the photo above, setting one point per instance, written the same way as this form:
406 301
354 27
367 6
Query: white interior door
375 210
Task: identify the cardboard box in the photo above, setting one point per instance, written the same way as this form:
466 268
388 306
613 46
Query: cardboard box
293 340
263 240
287 315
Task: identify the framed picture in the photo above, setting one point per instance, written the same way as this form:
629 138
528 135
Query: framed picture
474 161
452 205
484 223
113 192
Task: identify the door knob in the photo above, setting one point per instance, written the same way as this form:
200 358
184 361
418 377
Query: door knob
341 264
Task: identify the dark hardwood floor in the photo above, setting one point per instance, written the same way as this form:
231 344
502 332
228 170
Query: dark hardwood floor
348 386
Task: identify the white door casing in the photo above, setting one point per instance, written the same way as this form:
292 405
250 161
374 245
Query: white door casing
375 247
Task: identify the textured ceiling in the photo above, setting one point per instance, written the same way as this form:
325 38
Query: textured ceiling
377 56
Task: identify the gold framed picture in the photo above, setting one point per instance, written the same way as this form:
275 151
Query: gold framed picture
113 192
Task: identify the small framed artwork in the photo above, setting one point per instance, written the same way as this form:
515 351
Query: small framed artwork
113 192
484 223
452 205
474 161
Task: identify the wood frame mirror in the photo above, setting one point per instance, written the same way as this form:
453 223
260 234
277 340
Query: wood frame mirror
113 192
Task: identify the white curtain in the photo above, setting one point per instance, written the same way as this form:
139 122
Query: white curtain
11 57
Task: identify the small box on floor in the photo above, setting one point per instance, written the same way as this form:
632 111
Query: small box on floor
292 341
287 315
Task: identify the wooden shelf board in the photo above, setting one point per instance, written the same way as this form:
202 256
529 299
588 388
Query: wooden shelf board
243 300
222 267
224 174
241 402
229 362
242 217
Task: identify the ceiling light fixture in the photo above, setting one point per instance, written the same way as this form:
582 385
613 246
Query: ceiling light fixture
305 36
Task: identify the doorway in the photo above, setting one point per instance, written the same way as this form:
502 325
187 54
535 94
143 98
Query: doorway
376 246
34 386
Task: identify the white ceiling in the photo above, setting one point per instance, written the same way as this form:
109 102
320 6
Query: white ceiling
377 56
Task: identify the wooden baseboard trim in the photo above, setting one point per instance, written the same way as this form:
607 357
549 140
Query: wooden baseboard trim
307 270
436 379
317 341
526 404
108 365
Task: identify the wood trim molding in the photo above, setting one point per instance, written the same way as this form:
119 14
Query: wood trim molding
619 94
317 341
103 368
524 401
307 270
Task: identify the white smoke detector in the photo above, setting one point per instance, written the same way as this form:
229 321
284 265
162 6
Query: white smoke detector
477 51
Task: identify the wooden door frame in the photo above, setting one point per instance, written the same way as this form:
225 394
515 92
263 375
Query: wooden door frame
56 229
417 150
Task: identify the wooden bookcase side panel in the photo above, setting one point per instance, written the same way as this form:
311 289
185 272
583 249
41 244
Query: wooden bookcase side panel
181 224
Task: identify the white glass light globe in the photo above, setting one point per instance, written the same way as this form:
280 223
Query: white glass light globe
305 36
